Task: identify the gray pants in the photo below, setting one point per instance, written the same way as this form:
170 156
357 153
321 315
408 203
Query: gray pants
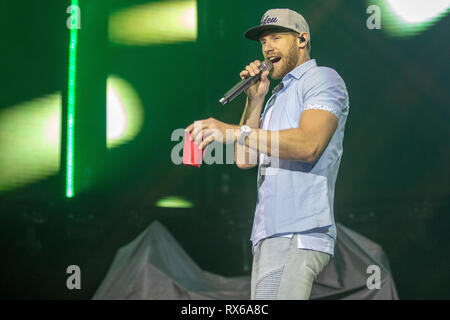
283 271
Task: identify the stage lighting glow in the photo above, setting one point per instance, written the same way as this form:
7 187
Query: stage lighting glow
174 202
124 112
417 11
30 134
188 18
153 23
403 18
30 141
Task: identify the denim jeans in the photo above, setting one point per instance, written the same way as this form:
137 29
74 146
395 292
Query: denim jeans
283 271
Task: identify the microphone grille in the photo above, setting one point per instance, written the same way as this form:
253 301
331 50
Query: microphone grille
266 65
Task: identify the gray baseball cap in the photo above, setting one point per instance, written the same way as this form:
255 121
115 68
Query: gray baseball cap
279 19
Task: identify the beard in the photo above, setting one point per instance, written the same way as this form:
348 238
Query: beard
287 63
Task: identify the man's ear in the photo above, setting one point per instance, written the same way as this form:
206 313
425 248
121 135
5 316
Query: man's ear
302 40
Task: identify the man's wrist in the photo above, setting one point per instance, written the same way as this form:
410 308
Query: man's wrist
236 133
255 102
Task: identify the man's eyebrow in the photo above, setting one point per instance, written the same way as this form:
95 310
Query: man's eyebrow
278 34
267 35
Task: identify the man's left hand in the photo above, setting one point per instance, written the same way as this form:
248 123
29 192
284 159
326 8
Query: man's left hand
203 132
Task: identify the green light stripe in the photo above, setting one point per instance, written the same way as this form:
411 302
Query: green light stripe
71 106
174 202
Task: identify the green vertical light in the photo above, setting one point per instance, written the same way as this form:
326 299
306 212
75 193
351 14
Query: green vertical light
71 102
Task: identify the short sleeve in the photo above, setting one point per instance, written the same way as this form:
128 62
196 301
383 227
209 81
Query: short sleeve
325 90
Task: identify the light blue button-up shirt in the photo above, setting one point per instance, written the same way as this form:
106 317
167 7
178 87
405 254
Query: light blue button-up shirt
295 196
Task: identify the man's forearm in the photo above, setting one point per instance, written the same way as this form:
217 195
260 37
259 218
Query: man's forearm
250 117
291 144
252 113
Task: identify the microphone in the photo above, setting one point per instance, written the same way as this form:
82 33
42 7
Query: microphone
245 83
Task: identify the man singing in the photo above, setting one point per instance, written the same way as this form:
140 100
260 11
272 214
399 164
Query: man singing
298 140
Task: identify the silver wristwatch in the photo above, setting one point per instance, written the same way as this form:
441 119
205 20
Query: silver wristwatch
244 133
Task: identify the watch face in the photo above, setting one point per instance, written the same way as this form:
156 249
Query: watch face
246 129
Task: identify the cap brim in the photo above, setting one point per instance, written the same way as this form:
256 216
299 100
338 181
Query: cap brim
256 32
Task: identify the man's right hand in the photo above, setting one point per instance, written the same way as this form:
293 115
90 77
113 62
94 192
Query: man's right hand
260 88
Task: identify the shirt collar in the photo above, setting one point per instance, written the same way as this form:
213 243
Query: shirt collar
300 70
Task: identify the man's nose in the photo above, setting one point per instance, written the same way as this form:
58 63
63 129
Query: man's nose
267 48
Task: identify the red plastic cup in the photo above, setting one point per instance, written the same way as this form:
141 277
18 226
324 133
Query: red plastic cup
192 155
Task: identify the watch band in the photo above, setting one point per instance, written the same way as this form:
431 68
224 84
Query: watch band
245 131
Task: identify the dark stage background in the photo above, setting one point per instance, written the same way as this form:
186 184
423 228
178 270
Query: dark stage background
393 185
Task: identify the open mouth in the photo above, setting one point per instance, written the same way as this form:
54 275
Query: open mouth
274 60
